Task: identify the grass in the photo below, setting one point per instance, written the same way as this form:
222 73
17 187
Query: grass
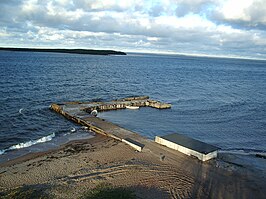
25 192
107 191
102 191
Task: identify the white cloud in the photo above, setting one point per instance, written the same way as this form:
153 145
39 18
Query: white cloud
198 26
153 39
190 21
233 9
30 5
245 13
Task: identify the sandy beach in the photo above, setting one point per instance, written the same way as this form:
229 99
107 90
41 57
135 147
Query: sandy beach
79 166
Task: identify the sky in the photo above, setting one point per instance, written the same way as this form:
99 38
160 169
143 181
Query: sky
227 28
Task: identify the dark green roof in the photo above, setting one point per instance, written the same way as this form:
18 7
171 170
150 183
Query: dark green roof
190 143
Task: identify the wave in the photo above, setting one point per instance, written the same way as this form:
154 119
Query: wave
76 130
242 151
20 110
2 152
70 131
29 143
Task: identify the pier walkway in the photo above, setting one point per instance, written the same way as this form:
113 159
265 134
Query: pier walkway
79 112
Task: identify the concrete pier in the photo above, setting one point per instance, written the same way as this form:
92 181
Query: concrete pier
79 112
142 101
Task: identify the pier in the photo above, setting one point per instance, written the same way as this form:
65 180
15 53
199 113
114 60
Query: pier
142 101
79 112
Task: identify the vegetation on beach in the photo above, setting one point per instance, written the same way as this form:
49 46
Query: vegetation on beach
101 191
107 191
26 192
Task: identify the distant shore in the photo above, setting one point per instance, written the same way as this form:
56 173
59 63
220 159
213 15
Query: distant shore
72 51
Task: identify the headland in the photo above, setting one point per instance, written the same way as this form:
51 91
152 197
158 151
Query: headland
72 51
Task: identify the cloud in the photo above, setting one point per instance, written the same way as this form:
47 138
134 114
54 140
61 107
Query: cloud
214 27
244 14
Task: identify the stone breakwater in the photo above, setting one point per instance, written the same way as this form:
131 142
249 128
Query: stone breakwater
79 112
140 101
121 104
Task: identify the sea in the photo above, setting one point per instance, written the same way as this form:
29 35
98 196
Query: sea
220 101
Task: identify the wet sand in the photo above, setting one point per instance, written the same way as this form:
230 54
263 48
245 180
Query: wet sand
79 166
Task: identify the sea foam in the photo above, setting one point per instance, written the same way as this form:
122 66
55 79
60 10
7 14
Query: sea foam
29 143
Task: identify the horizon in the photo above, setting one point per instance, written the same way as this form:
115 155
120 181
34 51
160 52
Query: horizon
147 52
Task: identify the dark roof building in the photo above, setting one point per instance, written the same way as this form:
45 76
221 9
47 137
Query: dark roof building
188 146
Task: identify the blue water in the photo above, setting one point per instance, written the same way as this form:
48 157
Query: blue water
219 101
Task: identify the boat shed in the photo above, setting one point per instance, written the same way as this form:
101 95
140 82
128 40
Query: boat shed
188 146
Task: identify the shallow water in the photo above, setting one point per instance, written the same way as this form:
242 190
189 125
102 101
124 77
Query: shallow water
219 101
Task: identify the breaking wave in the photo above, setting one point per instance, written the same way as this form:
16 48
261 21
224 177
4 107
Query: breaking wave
2 152
29 143
242 151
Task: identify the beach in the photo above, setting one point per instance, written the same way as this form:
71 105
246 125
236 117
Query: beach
79 166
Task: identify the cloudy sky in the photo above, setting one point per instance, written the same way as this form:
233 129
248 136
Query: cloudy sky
207 27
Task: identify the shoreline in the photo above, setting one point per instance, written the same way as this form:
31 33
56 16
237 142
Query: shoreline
79 166
48 145
34 155
224 157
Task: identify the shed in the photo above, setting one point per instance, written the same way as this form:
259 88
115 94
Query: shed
188 146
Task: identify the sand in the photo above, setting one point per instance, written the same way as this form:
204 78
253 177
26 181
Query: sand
77 167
